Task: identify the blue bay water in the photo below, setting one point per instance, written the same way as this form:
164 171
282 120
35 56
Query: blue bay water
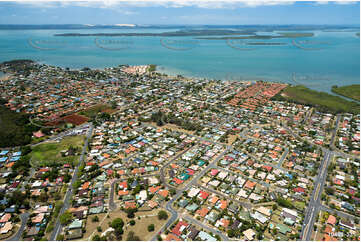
337 62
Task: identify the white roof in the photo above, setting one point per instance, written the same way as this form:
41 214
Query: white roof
193 192
37 184
293 212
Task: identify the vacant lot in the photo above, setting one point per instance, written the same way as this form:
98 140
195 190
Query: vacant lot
50 152
140 228
94 110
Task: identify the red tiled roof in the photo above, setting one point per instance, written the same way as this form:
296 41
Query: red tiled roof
331 220
176 229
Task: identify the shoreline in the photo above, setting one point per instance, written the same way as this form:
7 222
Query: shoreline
174 72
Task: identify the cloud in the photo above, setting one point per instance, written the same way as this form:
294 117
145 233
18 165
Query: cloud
267 3
321 2
210 4
342 2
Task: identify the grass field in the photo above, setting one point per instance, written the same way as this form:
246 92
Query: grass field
320 100
351 91
94 110
300 205
50 152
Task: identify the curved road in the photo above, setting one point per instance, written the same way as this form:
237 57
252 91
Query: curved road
174 213
24 219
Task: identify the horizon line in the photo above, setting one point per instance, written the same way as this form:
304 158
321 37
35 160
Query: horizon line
116 24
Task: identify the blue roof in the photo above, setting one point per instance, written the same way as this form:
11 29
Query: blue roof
4 152
4 201
17 153
2 159
289 175
134 183
9 210
15 158
137 160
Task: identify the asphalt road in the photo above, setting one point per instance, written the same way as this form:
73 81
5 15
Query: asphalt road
24 219
284 155
339 213
112 205
314 203
162 179
69 193
62 134
174 213
194 221
246 205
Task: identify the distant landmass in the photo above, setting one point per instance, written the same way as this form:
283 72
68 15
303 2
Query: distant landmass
250 34
132 26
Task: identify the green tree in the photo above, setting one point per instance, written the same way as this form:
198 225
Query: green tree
95 219
151 227
231 233
117 223
162 215
66 217
96 238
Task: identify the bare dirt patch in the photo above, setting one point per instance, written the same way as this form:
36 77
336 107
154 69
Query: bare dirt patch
140 228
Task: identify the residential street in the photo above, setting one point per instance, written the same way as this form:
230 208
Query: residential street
314 203
69 193
169 207
24 219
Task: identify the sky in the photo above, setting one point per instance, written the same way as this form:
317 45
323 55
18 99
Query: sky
226 12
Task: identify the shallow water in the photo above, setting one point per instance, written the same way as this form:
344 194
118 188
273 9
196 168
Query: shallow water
327 59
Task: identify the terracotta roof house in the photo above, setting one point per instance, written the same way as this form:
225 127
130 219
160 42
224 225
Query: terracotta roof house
331 220
5 218
6 228
178 229
203 194
202 212
164 193
172 237
250 185
153 190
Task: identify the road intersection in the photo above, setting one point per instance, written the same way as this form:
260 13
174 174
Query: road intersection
311 213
